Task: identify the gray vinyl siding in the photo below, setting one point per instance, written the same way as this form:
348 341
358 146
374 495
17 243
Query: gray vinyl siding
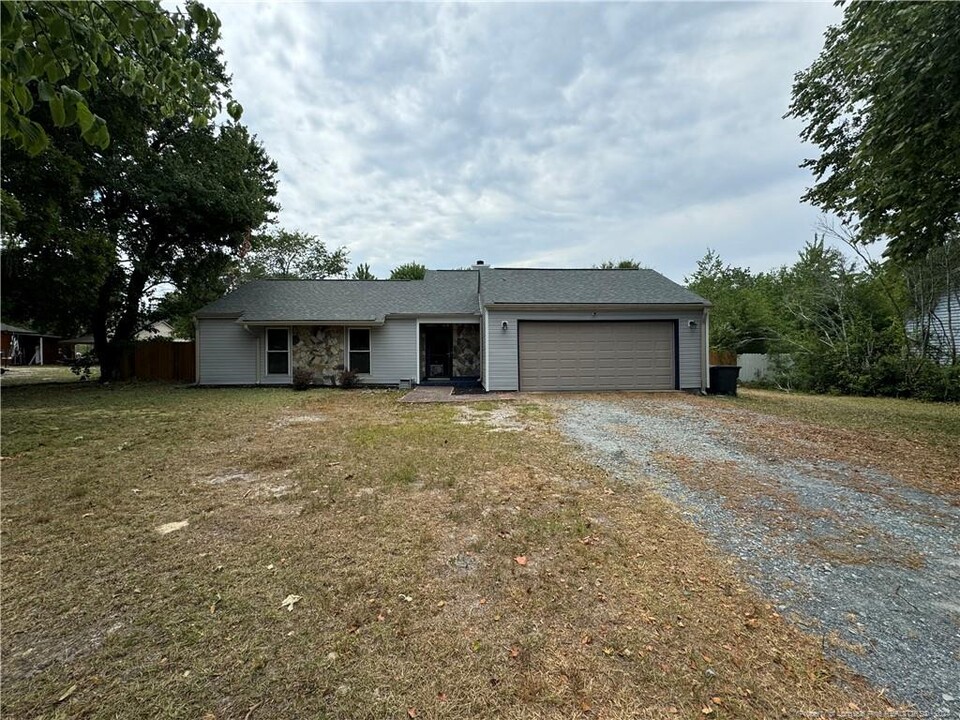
393 352
944 324
227 353
503 352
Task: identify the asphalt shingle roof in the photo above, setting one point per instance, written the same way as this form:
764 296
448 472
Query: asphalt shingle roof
443 292
440 292
20 330
521 286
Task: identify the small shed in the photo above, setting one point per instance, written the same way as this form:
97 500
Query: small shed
21 345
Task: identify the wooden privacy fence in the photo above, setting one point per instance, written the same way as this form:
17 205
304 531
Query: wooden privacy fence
723 357
160 360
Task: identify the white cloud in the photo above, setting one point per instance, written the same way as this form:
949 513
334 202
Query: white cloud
532 134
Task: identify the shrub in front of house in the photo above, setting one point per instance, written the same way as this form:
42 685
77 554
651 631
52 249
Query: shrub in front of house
302 378
348 379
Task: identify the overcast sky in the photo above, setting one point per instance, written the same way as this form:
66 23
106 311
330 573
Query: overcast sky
540 135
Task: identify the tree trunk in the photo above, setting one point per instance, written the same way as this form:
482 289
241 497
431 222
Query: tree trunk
99 327
110 349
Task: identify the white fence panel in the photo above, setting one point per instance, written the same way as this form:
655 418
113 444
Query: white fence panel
754 367
757 367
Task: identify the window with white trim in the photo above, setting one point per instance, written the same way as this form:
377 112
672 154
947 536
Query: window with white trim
358 350
278 351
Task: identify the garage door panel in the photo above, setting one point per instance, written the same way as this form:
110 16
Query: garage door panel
597 355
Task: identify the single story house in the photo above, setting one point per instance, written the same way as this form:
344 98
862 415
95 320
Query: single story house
508 329
25 346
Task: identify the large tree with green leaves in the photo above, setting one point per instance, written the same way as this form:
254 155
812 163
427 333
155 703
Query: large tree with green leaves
408 271
59 54
743 318
169 200
882 102
283 254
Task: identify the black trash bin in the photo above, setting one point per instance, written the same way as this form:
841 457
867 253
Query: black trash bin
723 379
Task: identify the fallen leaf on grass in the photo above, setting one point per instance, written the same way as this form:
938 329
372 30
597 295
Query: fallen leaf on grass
706 710
441 697
67 693
585 706
717 700
514 652
411 712
290 600
521 560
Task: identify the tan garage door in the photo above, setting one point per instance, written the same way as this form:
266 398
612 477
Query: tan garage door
597 356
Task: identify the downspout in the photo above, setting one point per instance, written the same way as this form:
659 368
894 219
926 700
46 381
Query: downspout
705 342
196 350
258 367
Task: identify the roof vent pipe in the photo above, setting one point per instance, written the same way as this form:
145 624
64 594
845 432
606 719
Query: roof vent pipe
479 265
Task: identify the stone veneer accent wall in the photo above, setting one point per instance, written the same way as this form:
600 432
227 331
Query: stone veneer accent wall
466 350
319 348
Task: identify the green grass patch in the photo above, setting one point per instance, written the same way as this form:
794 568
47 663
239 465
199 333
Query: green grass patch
937 422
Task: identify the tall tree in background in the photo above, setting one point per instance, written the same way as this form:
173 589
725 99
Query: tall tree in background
742 319
282 254
882 102
170 199
54 53
625 264
362 272
408 271
837 324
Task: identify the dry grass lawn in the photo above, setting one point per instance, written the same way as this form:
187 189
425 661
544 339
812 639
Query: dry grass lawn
916 442
450 563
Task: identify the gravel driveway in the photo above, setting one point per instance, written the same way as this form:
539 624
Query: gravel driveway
846 551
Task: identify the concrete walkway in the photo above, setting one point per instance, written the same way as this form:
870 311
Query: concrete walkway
444 394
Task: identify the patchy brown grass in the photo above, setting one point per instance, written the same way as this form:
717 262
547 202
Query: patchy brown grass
400 527
916 442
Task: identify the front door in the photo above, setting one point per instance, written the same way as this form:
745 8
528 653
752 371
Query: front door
439 351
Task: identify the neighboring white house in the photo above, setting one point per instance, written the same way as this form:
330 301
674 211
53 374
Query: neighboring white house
508 329
942 325
159 329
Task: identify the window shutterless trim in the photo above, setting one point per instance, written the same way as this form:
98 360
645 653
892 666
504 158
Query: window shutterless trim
267 351
368 351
